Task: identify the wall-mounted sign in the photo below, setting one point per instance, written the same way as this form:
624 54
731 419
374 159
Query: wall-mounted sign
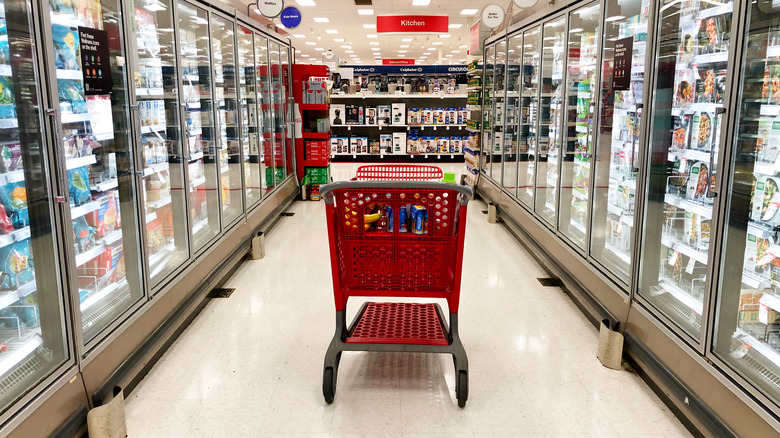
525 4
474 40
270 8
411 69
493 16
95 63
621 75
291 17
398 61
412 23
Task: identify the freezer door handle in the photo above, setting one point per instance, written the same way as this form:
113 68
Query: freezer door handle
60 199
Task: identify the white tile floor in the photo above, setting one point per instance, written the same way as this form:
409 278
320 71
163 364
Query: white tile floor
251 365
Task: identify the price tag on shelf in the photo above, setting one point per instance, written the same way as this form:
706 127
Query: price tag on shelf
673 258
691 264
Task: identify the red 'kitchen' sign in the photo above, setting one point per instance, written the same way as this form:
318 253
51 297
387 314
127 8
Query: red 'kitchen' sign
398 61
412 23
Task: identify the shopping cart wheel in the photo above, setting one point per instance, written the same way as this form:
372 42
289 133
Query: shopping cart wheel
328 385
462 388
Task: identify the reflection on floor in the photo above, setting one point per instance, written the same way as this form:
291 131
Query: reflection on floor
251 365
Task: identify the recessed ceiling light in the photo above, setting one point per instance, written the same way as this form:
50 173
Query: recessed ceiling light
576 29
449 56
402 56
375 49
369 26
338 40
463 47
404 46
345 46
349 51
373 43
402 51
321 19
305 2
319 49
371 36
437 43
365 12
455 26
406 40
311 43
353 56
421 2
297 35
614 18
445 35
331 31
456 51
469 12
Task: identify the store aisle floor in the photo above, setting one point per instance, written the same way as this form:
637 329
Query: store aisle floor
251 365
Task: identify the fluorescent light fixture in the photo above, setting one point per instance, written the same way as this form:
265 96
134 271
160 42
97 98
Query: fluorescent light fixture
155 6
365 12
349 51
463 47
319 49
298 35
375 49
338 40
311 43
445 35
298 51
331 31
353 56
456 51
437 43
402 56
345 46
305 2
614 18
373 43
427 53
449 56
546 39
421 2
369 26
576 29
404 46
406 40
469 12
402 51
371 36
455 26
321 19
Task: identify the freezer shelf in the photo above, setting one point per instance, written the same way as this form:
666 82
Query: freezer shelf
18 351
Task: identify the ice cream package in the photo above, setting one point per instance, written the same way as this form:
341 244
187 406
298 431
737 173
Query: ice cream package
14 197
78 185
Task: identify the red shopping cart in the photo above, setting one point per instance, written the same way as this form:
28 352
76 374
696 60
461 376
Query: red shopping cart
396 239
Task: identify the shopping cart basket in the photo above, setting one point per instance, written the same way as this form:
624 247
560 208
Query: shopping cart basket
398 172
374 252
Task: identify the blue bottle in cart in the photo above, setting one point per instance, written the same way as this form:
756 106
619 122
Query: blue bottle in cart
419 219
402 228
389 213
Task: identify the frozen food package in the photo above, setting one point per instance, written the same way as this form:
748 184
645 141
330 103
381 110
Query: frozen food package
699 182
683 88
11 156
66 47
690 31
765 193
17 261
703 133
680 131
72 92
705 85
763 148
14 197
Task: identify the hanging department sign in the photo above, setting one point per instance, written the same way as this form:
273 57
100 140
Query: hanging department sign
96 65
412 23
291 17
409 69
398 61
270 8
493 16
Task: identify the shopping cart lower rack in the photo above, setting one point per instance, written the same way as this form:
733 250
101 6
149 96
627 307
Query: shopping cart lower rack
396 239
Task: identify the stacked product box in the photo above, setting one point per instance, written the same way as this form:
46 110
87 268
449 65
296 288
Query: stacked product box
315 92
316 149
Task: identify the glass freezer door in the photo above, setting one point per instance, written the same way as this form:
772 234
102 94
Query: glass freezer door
747 330
196 75
514 82
690 89
97 156
33 340
499 106
266 118
288 110
276 170
250 132
487 114
616 161
582 74
550 132
228 144
156 91
528 116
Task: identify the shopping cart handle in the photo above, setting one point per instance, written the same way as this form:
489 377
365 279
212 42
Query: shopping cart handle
326 191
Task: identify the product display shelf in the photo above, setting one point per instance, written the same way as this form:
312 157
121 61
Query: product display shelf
309 85
398 96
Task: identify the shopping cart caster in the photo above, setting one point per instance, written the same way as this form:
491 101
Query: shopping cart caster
329 385
462 388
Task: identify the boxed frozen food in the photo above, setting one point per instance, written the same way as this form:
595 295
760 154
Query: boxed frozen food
683 88
714 33
688 43
399 142
703 130
337 114
398 111
698 185
681 131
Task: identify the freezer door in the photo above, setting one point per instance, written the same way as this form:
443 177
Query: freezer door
264 109
226 102
33 340
691 61
487 113
498 103
514 84
288 109
577 153
617 143
251 135
159 138
550 119
200 132
277 168
528 115
96 155
747 329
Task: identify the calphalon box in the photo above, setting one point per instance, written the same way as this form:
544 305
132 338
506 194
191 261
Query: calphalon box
399 114
337 114
399 142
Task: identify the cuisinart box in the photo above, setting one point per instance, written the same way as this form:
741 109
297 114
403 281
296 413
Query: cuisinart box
339 145
386 143
399 142
337 114
399 113
384 115
358 145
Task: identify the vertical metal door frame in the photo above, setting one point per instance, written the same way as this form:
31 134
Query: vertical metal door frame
503 115
563 133
539 25
519 92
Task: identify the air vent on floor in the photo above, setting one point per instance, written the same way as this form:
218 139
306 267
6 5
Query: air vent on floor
550 282
222 292
287 214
